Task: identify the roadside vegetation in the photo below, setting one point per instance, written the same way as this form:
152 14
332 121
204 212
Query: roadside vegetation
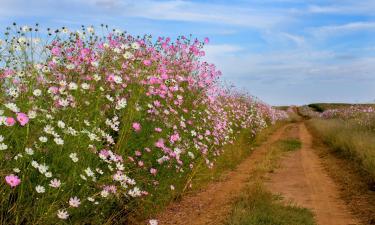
97 124
349 132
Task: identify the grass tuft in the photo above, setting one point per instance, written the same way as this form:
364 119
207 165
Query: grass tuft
257 206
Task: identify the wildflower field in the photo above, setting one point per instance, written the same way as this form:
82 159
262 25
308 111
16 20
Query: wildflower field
92 124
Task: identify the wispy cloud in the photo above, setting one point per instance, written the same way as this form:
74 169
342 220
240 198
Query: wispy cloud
348 7
344 28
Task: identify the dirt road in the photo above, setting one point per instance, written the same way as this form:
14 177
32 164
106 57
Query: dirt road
212 205
303 181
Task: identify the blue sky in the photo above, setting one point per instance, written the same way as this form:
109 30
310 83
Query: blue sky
282 51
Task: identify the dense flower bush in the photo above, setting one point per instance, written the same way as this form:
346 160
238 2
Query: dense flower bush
91 122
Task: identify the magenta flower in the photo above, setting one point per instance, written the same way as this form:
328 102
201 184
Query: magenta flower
55 51
10 121
147 62
136 127
22 118
12 180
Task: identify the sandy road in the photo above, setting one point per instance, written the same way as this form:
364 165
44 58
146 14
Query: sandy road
212 205
302 180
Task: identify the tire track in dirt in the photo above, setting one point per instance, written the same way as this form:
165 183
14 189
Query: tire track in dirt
302 180
212 205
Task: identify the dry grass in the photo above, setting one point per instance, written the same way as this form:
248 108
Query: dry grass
349 140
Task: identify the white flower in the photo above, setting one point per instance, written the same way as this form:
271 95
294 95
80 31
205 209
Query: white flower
19 155
135 45
43 168
172 187
74 157
1 138
127 55
104 193
121 104
117 79
22 40
153 222
89 172
191 155
37 92
3 146
16 170
63 102
13 92
59 141
61 124
12 107
62 214
31 114
91 199
70 66
55 183
40 189
97 77
29 151
83 177
90 29
43 139
72 86
135 192
35 164
25 28
85 86
117 50
95 64
74 202
48 174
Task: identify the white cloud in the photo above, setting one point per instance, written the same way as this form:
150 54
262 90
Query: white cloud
350 7
172 10
342 29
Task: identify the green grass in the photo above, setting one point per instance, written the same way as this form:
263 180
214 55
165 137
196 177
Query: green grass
349 140
257 206
290 144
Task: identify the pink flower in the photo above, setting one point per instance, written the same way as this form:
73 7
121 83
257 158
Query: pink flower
206 40
22 118
158 129
153 171
147 62
175 137
12 180
10 121
55 51
160 143
136 127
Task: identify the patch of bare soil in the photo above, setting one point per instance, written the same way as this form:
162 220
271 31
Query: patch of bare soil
303 181
212 205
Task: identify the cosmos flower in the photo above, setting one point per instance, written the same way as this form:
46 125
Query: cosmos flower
12 180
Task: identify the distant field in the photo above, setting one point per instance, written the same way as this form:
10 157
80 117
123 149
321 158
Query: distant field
320 107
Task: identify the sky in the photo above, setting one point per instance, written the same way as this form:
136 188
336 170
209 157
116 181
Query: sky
282 51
